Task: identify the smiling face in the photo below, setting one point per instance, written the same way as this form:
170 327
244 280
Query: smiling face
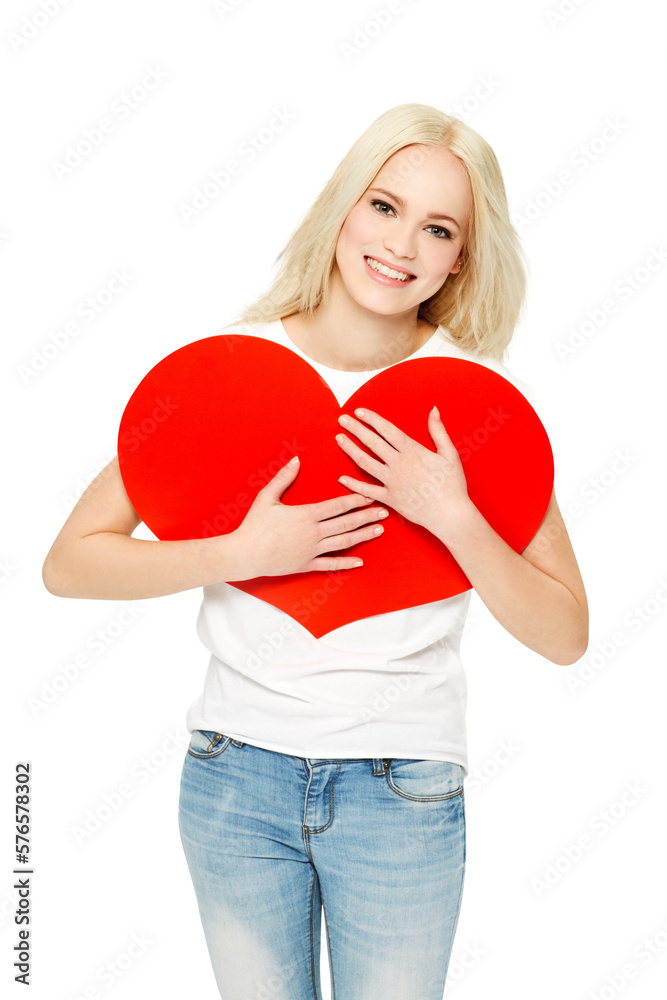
413 218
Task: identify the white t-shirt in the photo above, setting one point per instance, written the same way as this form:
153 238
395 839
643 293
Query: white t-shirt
390 685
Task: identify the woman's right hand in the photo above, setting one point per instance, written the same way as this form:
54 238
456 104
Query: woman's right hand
278 539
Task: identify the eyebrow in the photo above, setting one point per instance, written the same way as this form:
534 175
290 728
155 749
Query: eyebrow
431 215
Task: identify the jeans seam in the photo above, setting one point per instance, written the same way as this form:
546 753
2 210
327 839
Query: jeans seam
313 973
421 798
332 807
330 952
463 875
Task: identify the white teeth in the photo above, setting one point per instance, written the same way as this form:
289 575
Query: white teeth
377 266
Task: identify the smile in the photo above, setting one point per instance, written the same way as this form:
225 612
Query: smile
389 272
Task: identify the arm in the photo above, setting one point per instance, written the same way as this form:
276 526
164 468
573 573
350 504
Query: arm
94 555
537 595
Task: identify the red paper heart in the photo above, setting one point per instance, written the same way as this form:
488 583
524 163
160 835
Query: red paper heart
215 420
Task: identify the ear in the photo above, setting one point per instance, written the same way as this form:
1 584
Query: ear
459 263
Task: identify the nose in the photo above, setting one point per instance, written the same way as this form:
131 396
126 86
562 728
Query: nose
401 243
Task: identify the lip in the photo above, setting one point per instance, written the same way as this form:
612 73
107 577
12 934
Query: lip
388 263
383 278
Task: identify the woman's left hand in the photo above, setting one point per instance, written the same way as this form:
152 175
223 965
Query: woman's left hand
427 487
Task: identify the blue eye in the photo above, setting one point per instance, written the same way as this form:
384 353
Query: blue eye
446 233
447 236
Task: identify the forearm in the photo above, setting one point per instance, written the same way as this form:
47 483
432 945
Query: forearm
538 610
108 565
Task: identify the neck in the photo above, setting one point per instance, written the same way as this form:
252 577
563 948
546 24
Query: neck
342 335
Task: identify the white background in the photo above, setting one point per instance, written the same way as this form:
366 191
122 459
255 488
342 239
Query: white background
541 88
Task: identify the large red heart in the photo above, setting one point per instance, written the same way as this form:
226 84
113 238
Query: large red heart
215 420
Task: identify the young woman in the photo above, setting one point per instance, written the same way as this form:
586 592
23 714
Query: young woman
327 774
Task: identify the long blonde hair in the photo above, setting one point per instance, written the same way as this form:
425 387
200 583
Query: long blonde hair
480 304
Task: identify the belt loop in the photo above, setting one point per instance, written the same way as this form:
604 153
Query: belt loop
380 765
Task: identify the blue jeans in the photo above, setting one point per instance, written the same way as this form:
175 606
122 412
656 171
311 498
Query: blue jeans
270 839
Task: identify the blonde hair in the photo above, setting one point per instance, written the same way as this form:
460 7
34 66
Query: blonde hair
479 305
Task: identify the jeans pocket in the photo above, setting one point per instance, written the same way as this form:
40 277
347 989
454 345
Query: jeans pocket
206 743
425 780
